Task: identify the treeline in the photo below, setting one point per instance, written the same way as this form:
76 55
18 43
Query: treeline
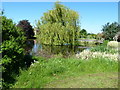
85 34
61 26
109 32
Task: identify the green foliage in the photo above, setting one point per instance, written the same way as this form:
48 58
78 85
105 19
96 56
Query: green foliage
26 28
59 26
91 35
9 29
103 48
83 33
12 50
99 36
110 30
46 71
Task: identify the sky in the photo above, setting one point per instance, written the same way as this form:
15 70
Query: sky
93 15
60 0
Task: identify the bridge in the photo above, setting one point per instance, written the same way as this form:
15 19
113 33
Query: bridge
87 40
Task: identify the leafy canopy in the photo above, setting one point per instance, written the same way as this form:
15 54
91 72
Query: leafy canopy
26 28
110 30
12 50
59 26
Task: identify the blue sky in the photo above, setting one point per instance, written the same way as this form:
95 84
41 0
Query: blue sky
93 15
60 0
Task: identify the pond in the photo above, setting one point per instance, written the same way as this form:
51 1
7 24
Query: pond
48 51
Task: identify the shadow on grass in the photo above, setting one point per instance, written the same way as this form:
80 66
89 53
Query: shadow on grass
13 71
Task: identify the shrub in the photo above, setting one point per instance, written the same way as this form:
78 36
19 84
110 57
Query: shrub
87 55
112 44
13 41
103 48
110 30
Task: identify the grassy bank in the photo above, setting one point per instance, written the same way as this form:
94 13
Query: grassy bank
45 71
59 72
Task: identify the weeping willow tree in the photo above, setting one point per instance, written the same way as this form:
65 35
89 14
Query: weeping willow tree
59 26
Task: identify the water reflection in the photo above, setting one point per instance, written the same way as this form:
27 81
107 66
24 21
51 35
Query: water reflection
28 46
47 51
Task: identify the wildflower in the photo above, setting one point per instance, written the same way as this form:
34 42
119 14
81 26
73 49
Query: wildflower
32 64
34 61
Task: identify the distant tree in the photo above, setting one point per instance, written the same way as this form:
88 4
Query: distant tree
27 28
99 36
83 33
59 26
91 35
110 30
88 33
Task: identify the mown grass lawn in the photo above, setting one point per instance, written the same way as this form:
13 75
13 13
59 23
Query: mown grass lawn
97 80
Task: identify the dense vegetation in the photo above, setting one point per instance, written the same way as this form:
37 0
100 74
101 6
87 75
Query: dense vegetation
59 26
12 48
83 33
27 28
110 30
13 52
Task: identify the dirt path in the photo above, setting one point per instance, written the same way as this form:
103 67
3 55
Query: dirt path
98 80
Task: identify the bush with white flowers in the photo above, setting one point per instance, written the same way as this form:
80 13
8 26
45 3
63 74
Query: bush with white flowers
86 55
112 44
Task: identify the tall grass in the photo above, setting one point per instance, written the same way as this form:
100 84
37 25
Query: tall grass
39 74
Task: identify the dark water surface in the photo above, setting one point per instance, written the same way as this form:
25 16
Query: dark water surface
38 49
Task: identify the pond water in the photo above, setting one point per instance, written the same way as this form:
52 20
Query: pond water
48 51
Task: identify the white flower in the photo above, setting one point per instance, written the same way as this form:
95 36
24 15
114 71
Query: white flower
113 44
77 55
32 64
88 54
36 62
